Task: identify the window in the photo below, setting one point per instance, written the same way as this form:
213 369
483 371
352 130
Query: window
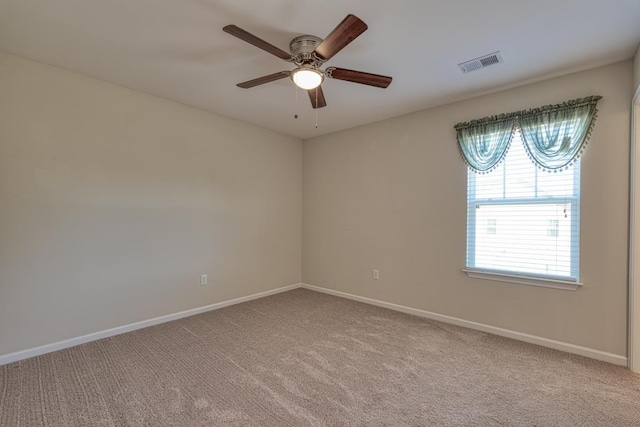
554 228
492 223
523 193
523 221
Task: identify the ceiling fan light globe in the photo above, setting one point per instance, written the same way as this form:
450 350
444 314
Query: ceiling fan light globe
306 78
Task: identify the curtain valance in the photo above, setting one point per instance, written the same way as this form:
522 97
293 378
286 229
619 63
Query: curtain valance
554 135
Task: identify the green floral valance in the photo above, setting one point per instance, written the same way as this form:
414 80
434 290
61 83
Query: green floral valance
554 135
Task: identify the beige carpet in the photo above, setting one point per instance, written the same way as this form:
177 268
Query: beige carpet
308 359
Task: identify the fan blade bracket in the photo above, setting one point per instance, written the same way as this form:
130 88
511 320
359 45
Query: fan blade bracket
370 79
246 36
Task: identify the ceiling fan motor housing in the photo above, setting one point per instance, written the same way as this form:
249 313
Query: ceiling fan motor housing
302 48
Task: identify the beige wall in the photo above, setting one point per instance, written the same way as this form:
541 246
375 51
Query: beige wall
636 70
113 202
634 320
391 196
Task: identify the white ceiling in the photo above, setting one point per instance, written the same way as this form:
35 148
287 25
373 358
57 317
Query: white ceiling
176 49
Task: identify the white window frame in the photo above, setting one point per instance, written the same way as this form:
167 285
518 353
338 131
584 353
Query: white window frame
524 278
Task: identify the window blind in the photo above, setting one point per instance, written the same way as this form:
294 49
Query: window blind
523 220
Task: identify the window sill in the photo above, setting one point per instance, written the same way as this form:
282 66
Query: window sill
565 285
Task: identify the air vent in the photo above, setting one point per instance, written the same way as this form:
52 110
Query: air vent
482 62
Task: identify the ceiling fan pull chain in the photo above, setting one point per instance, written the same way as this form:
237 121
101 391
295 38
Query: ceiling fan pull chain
316 108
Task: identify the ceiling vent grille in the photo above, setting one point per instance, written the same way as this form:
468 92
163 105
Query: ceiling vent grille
482 62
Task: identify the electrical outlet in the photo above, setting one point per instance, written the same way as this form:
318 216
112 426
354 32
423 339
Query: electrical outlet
203 279
376 274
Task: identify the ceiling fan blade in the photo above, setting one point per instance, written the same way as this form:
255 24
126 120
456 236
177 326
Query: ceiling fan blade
256 41
346 31
358 77
264 79
317 97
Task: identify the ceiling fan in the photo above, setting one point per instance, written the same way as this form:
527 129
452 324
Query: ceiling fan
309 53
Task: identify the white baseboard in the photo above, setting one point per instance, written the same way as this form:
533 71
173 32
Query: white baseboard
545 342
532 339
48 348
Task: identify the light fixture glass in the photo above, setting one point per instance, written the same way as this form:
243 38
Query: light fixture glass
307 78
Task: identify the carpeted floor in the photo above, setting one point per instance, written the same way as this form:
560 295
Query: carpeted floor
303 358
